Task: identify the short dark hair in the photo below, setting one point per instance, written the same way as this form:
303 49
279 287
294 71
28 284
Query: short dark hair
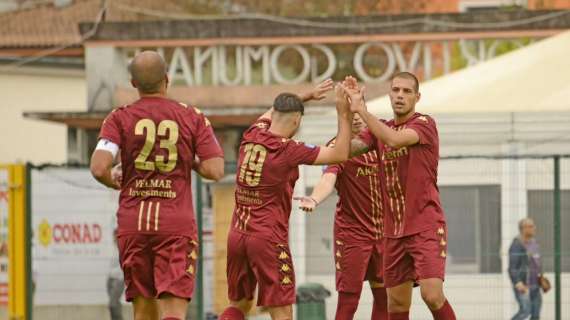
409 76
288 102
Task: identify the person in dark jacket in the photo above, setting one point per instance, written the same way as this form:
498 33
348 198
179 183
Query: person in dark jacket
525 270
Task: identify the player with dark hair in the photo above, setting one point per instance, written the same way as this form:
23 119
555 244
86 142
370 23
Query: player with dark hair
157 139
414 223
357 228
268 167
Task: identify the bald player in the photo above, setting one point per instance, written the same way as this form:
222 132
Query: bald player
159 142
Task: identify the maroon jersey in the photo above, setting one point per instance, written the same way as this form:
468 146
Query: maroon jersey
409 177
268 168
158 139
359 207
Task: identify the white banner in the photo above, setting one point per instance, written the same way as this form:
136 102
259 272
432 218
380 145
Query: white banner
73 221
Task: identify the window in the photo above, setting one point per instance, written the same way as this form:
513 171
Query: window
473 215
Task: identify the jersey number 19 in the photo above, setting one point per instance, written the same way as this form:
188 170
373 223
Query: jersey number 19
250 169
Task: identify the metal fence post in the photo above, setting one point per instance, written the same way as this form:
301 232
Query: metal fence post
200 262
30 285
557 244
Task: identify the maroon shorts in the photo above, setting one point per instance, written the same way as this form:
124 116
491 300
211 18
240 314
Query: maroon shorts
258 262
416 257
157 264
356 262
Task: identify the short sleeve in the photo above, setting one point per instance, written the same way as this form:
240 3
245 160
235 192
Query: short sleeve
335 169
368 138
206 145
110 128
425 127
300 153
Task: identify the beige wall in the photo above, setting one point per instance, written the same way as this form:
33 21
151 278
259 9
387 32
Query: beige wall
37 90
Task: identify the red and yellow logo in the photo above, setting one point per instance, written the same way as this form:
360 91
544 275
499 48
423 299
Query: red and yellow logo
68 233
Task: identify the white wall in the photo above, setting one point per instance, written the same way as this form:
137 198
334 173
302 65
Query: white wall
37 90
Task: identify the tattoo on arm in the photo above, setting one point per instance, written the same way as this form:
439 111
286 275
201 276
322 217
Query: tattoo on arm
357 147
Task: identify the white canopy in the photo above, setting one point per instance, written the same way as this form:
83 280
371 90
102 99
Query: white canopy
534 78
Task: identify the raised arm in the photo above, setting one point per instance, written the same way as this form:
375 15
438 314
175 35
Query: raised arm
387 135
267 115
322 190
340 150
392 138
319 92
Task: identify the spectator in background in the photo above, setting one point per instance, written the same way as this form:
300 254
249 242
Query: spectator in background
115 283
525 270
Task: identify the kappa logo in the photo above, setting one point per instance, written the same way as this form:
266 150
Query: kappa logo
190 269
423 118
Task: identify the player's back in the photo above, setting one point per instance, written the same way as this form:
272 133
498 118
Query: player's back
267 172
158 138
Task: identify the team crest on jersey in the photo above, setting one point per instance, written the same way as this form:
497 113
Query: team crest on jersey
261 125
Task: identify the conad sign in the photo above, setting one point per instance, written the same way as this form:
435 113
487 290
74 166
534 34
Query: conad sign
69 233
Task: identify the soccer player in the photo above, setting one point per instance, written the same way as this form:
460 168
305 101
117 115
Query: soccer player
158 140
268 167
357 228
415 232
